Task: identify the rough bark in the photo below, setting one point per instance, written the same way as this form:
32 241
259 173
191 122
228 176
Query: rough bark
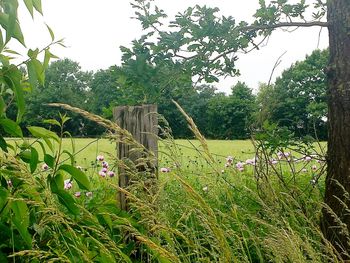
336 215
142 123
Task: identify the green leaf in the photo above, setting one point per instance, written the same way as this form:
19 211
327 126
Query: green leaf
52 122
37 6
13 80
51 33
2 105
49 143
34 159
12 18
3 198
46 58
1 43
49 160
25 156
3 144
33 80
40 72
78 176
33 53
57 183
29 5
68 201
21 220
40 132
36 71
11 127
17 33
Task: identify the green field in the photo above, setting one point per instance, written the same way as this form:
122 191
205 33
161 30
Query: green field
86 149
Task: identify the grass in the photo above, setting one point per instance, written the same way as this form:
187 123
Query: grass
204 212
87 149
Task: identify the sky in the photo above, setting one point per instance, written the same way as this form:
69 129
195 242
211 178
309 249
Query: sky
93 31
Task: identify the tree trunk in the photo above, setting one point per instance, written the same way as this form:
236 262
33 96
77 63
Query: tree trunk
336 215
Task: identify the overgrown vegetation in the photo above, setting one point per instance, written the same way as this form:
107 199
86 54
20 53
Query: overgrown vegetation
264 209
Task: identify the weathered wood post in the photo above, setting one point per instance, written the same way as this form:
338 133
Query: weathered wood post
142 123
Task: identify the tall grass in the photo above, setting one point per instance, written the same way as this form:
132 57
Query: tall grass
209 213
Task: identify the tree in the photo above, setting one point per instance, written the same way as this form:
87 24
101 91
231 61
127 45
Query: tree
230 116
65 83
105 91
297 100
206 47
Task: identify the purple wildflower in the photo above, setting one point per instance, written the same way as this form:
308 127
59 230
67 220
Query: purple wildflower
111 174
100 158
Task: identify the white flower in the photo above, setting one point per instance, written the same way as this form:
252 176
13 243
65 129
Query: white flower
229 159
100 158
44 167
67 184
164 170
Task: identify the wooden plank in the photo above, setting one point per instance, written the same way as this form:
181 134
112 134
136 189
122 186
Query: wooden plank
142 123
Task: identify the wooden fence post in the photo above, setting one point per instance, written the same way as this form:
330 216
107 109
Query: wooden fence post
142 123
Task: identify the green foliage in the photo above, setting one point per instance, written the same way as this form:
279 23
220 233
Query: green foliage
229 117
65 82
222 218
297 100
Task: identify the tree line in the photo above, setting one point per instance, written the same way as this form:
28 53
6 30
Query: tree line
296 100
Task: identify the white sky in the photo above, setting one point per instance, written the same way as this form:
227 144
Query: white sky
94 30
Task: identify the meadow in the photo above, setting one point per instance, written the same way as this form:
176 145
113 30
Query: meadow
218 206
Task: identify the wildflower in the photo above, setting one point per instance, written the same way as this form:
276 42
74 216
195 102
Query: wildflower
313 181
100 158
111 174
241 169
9 183
205 189
102 173
164 170
314 167
105 165
273 161
308 158
229 159
79 167
280 155
77 194
228 164
104 170
88 194
250 161
304 170
44 167
239 165
67 184
222 171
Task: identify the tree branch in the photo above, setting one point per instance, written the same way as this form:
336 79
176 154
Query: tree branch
285 24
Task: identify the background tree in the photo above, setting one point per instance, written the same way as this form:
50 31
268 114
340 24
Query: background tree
297 99
65 83
229 117
105 91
